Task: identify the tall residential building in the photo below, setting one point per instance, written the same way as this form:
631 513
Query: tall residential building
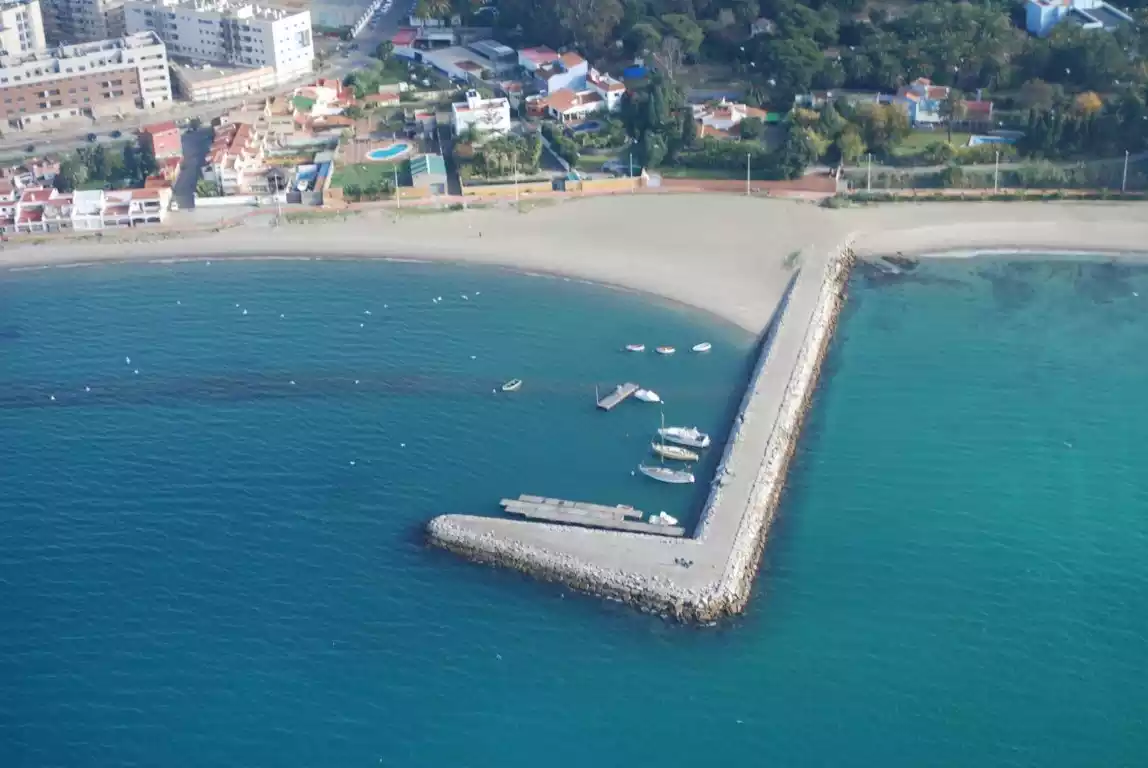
21 27
237 33
82 21
107 77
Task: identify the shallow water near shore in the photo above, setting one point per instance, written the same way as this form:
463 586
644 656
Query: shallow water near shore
194 573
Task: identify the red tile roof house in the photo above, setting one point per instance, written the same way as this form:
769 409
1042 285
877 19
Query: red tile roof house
164 139
721 119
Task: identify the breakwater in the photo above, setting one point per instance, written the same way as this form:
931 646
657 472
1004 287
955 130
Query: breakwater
709 575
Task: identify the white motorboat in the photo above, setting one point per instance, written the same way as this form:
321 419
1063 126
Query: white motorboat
635 347
665 350
663 519
705 346
667 475
512 386
674 452
691 437
647 396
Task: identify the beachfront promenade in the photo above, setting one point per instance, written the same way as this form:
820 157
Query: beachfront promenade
731 256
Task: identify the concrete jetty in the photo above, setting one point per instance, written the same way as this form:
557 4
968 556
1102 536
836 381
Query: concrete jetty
620 393
619 518
649 572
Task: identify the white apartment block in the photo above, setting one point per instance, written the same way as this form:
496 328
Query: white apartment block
109 77
21 27
239 33
82 21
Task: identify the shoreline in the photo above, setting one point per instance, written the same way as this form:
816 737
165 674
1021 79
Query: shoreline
731 257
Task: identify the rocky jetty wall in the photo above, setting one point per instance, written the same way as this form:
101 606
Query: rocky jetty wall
644 588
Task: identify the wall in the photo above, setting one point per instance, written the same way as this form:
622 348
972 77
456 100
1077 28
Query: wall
504 190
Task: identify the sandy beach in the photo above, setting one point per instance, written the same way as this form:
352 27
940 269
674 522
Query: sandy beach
727 255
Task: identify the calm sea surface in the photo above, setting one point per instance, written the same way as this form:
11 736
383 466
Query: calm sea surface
218 560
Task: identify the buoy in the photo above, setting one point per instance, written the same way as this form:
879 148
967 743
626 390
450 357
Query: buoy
356 381
361 325
402 445
292 382
245 311
136 371
87 389
366 311
282 316
52 397
128 360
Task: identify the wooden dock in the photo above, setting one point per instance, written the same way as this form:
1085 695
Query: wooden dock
617 518
620 393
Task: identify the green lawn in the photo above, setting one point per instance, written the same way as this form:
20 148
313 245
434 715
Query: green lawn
362 174
918 141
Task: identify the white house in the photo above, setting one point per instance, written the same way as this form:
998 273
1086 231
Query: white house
602 94
1041 16
484 115
722 117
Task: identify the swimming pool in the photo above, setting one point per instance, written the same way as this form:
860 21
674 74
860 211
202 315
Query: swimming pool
976 141
589 125
389 153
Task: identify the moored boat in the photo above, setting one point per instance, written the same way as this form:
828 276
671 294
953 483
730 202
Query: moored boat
674 452
663 519
512 386
691 437
635 347
665 350
705 346
667 475
647 396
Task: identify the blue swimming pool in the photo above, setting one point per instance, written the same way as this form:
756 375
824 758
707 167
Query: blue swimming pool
389 153
976 141
589 125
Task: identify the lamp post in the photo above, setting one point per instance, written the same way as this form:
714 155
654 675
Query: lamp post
398 197
1124 178
748 155
997 171
869 174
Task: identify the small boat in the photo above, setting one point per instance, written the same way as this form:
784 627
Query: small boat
691 437
674 452
665 350
647 396
663 519
667 475
635 347
512 386
705 346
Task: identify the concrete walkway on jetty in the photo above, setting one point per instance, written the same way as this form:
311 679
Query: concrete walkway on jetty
731 256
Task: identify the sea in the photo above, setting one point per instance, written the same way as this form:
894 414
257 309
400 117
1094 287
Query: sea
215 476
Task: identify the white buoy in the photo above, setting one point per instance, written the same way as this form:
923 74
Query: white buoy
52 397
384 306
472 357
128 360
362 326
352 463
356 381
237 306
136 371
478 293
402 445
292 382
178 302
245 311
87 389
282 316
366 311
465 297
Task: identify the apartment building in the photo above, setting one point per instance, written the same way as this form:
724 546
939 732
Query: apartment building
236 33
82 21
108 77
21 27
43 209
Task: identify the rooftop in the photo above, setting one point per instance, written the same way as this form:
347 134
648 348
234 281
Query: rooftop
540 55
240 9
428 164
127 43
165 127
405 36
492 49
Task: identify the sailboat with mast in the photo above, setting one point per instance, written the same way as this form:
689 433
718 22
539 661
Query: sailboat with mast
661 472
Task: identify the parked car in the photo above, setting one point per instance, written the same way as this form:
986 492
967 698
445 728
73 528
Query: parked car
92 137
117 134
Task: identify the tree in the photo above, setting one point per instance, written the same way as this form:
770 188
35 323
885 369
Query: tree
148 164
73 173
354 112
1037 94
686 30
433 9
1088 103
132 167
352 191
690 128
952 109
651 150
669 56
849 145
752 128
99 167
796 153
195 123
384 50
643 37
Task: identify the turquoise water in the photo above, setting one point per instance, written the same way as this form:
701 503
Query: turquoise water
193 573
387 153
